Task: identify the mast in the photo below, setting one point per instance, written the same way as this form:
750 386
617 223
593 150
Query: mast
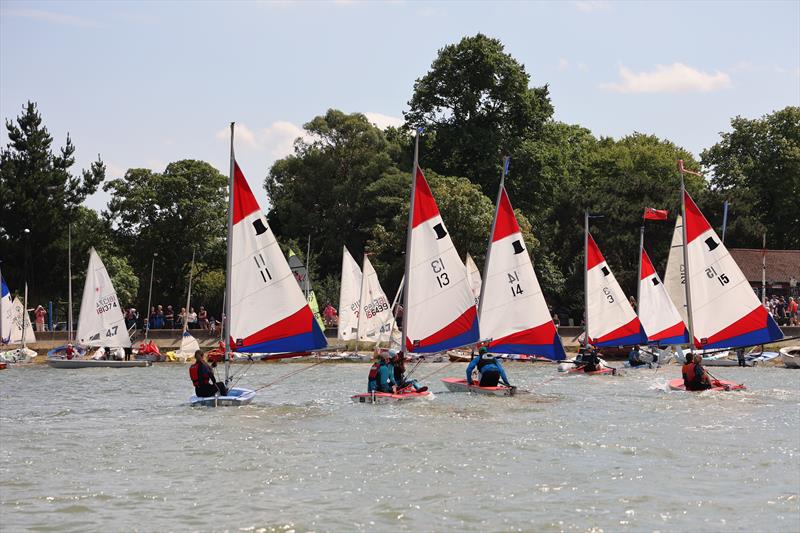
308 262
188 295
585 279
639 275
686 257
150 296
69 283
25 317
360 301
404 338
724 219
393 321
506 161
228 266
764 270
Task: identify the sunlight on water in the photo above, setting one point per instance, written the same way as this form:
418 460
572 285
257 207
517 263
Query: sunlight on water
104 449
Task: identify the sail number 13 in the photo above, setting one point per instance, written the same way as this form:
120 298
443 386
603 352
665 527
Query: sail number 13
439 273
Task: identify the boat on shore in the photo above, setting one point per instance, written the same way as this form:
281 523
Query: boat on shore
95 363
790 356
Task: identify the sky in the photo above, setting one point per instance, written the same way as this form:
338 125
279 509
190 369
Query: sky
146 83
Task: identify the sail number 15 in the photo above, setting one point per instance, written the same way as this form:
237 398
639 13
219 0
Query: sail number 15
722 278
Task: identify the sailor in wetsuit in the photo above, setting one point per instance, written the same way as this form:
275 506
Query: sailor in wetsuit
633 358
203 379
695 378
591 362
384 377
399 364
489 368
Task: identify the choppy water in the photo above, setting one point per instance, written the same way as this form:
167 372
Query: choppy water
119 449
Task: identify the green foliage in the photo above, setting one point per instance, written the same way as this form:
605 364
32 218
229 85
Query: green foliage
125 281
170 213
38 192
757 168
476 106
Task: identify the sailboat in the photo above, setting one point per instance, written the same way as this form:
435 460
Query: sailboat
189 344
439 306
300 271
349 297
15 326
100 323
722 309
266 311
659 316
473 278
375 314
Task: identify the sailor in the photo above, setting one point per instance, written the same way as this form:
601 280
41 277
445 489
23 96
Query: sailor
489 367
740 357
372 381
399 363
385 377
695 377
633 358
203 379
591 362
70 351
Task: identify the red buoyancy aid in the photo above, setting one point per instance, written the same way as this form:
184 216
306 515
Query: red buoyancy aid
194 373
689 371
373 371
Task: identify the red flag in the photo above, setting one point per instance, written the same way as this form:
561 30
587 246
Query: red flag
655 214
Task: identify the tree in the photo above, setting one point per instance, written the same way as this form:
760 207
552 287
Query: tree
320 191
476 106
39 193
171 213
757 167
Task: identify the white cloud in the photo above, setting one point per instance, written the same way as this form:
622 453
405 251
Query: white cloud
113 171
589 6
51 16
276 140
668 79
384 121
563 64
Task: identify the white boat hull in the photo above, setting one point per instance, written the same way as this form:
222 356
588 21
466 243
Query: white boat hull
461 385
95 363
236 396
791 356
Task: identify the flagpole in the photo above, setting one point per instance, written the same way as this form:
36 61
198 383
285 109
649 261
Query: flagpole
686 258
188 296
360 302
506 161
229 266
404 337
585 279
25 317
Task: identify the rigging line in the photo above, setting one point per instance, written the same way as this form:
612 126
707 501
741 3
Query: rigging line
438 370
242 371
290 374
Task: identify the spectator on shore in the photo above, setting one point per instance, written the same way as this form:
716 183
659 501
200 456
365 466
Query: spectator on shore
131 316
40 314
212 325
791 308
182 318
159 322
330 316
169 318
192 318
202 318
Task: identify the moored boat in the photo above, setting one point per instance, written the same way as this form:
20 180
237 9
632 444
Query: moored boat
791 356
95 363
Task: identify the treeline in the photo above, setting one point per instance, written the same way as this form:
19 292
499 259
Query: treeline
349 185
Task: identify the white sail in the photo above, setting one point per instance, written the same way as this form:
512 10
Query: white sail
376 313
100 322
612 320
513 311
725 312
657 313
268 311
348 297
473 278
674 276
189 346
6 312
441 312
18 318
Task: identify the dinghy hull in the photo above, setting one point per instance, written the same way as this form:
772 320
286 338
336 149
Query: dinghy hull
235 397
461 385
385 397
719 385
95 363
